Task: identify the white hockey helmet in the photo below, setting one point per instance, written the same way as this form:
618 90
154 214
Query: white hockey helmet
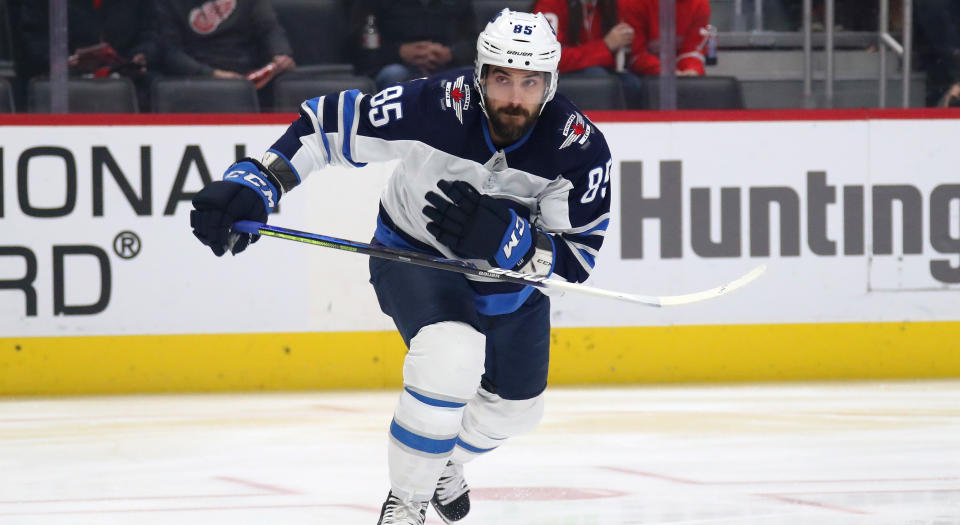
518 40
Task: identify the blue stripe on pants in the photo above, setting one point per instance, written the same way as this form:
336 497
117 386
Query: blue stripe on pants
423 444
434 402
476 450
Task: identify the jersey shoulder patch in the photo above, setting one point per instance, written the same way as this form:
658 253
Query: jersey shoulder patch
457 95
572 130
576 129
453 94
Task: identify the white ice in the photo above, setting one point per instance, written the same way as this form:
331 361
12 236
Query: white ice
826 453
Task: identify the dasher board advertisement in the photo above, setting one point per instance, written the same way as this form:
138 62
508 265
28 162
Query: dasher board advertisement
858 221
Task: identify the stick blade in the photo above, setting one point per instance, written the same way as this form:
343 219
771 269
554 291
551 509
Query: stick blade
675 300
658 301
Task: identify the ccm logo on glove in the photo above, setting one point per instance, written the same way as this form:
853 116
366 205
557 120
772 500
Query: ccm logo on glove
242 174
518 238
521 226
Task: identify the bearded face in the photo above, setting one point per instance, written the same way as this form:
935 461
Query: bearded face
513 100
510 122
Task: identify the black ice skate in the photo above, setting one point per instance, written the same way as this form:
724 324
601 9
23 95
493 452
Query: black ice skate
452 497
397 512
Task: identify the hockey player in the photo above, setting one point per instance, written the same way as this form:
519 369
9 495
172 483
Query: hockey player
495 170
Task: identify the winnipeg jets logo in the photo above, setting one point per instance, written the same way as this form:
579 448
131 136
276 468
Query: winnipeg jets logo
576 130
457 96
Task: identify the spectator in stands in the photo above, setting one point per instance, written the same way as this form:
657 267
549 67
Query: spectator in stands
592 32
590 40
225 39
693 17
104 37
416 37
937 28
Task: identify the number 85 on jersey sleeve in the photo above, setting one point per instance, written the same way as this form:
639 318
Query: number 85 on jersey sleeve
381 107
597 181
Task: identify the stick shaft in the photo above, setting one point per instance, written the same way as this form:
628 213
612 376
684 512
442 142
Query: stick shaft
454 265
383 252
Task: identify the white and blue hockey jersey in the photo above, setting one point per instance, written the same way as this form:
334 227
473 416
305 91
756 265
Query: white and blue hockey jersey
557 175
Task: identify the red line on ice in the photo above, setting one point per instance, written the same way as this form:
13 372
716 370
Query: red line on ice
264 486
798 501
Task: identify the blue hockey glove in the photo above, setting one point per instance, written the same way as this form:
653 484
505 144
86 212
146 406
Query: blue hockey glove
248 191
477 226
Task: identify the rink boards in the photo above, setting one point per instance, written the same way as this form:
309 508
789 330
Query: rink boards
856 214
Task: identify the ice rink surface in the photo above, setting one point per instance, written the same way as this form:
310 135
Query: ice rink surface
791 454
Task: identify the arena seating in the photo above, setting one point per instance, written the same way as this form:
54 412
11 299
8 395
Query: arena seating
101 95
599 93
709 92
755 69
204 95
289 93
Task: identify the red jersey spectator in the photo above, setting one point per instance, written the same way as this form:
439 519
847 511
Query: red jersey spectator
590 33
693 16
637 25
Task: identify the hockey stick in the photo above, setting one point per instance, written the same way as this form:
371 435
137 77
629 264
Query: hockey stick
453 265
